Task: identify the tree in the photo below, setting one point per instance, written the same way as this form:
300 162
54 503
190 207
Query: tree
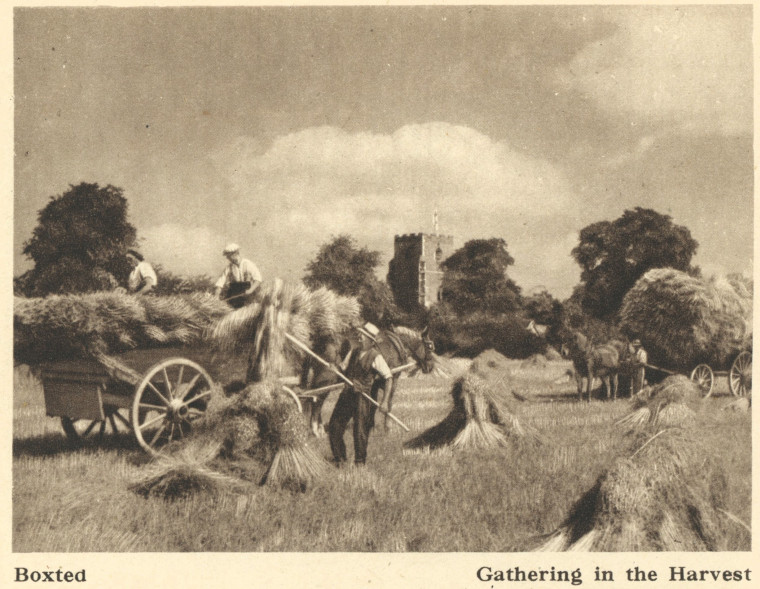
475 278
79 242
614 255
342 266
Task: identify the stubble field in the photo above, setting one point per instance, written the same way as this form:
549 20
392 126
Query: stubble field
68 499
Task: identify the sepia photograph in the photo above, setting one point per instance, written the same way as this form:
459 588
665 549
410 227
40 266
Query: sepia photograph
384 279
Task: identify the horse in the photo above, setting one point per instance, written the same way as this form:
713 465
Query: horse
591 362
397 345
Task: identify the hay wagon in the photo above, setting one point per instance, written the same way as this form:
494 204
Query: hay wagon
739 375
155 394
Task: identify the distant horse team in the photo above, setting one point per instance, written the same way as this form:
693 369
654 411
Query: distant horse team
589 361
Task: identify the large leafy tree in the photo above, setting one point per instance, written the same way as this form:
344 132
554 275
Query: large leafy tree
613 256
79 242
344 267
475 278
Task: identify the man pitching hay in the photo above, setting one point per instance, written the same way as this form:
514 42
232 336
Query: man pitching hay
366 367
240 278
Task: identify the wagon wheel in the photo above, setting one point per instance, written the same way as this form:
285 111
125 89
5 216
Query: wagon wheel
172 395
740 375
703 376
78 430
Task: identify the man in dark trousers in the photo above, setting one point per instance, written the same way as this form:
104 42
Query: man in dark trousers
640 360
368 370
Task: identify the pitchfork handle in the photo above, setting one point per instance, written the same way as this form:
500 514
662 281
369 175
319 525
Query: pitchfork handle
343 377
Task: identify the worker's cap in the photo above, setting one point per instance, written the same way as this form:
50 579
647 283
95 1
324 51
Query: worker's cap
370 330
231 248
636 342
135 253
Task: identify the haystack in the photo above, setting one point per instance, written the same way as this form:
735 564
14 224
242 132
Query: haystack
91 325
673 402
483 415
683 321
259 328
258 433
256 436
664 492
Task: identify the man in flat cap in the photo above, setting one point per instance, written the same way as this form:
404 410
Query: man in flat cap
240 278
143 277
370 373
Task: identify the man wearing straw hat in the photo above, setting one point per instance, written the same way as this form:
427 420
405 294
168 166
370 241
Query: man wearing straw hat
640 360
370 373
240 278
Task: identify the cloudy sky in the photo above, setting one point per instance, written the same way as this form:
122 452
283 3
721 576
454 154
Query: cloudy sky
278 127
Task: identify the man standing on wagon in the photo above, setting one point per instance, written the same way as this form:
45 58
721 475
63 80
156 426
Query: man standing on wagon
143 277
370 373
240 278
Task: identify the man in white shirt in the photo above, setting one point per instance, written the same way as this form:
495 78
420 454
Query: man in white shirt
240 278
143 278
640 360
368 370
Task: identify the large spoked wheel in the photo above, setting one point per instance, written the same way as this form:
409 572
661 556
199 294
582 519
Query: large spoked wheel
172 395
703 376
740 375
78 430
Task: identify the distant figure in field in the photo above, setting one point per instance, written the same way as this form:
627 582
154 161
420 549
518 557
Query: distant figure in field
143 278
239 280
640 359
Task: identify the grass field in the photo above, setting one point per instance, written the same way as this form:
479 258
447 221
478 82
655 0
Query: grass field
69 499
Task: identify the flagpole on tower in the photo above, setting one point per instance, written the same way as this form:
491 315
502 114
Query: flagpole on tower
435 221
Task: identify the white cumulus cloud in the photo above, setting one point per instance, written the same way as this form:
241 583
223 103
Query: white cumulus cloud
687 66
183 250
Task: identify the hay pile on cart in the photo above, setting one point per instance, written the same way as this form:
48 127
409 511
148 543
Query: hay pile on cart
693 326
149 365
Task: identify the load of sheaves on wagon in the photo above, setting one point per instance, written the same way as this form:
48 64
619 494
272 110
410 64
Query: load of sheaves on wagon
101 326
684 321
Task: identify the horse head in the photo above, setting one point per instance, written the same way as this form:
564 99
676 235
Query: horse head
420 346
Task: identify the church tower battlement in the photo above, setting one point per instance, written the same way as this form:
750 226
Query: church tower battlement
415 274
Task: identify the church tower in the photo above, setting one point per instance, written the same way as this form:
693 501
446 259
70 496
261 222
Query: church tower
415 274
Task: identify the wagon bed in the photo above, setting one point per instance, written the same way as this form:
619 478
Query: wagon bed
155 394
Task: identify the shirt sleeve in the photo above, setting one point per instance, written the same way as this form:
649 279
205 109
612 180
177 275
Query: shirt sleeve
250 271
381 367
148 273
222 279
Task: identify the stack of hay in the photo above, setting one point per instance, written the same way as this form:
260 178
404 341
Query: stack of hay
483 413
104 323
259 328
665 491
257 436
683 321
673 402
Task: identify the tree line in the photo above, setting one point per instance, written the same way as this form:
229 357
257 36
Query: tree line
81 236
